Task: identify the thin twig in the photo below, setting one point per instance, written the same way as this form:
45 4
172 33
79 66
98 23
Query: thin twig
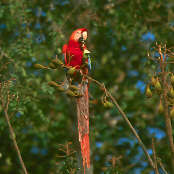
14 142
132 129
125 118
162 166
154 157
12 133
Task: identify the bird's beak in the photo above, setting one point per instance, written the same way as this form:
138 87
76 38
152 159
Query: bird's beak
81 40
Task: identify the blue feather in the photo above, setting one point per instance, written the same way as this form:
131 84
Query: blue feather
89 62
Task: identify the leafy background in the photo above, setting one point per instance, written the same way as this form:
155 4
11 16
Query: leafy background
120 35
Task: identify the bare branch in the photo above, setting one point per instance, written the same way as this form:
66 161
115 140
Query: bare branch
162 166
125 118
154 157
5 105
14 142
166 107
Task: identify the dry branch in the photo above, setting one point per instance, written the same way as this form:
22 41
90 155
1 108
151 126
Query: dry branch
125 118
154 156
5 105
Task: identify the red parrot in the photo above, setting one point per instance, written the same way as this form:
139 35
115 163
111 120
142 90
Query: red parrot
73 55
73 52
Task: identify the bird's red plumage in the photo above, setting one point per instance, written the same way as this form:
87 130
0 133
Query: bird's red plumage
73 52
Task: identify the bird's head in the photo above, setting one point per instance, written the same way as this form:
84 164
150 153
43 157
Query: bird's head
80 35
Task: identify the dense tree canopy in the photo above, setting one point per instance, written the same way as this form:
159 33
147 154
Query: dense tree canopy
121 33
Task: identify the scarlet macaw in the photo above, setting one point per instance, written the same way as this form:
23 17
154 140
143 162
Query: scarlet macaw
74 55
76 48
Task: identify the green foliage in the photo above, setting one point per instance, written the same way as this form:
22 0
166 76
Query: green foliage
33 32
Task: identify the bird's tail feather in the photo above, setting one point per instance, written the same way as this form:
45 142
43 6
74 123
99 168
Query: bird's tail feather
83 124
